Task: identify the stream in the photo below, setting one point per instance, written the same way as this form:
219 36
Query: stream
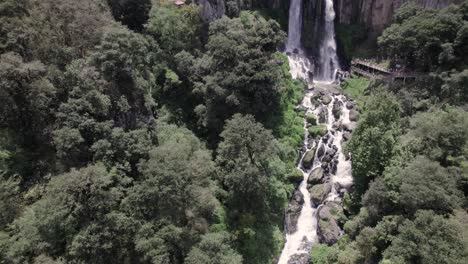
313 214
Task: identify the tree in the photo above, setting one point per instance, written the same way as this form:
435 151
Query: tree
64 30
243 155
75 218
429 238
214 249
132 13
374 141
440 135
428 186
175 28
423 37
252 171
237 74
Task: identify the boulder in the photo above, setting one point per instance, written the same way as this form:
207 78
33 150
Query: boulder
316 176
321 151
347 127
349 105
346 136
326 99
308 159
296 177
337 125
299 259
337 105
293 212
317 131
353 115
330 217
319 192
327 158
311 119
323 115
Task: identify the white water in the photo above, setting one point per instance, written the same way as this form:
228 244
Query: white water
301 241
295 25
328 60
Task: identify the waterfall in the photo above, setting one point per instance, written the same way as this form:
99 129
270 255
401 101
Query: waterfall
328 64
336 171
295 25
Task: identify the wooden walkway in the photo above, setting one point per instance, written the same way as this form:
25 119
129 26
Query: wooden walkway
373 71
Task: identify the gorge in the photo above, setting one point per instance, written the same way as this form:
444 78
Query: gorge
313 215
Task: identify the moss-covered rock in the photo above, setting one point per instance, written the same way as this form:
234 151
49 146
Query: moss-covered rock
317 131
316 176
319 192
308 159
311 119
296 176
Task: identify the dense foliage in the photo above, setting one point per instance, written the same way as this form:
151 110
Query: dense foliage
97 161
410 150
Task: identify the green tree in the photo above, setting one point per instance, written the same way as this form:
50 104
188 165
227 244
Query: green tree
132 13
237 72
374 142
175 28
76 219
214 249
440 135
429 238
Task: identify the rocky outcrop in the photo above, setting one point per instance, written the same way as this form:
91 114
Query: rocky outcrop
378 14
330 217
319 192
293 212
213 9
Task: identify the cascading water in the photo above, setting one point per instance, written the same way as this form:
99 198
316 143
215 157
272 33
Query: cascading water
332 110
328 64
295 25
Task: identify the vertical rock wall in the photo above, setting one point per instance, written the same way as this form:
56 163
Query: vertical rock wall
378 14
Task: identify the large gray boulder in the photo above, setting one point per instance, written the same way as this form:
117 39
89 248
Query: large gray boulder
316 176
353 115
326 99
308 159
319 192
330 216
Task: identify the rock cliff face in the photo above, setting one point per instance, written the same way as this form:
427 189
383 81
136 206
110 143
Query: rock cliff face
378 14
213 9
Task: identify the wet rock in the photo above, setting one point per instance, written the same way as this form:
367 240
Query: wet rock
332 151
315 176
317 131
296 176
350 105
334 166
323 115
299 259
314 101
311 119
326 99
346 136
293 212
337 125
327 158
321 151
325 138
325 166
308 159
347 127
296 51
353 115
318 193
300 108
337 105
330 217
